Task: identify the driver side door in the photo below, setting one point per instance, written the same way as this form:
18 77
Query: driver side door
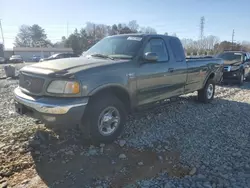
153 76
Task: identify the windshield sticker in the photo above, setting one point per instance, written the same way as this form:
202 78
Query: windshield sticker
237 53
134 38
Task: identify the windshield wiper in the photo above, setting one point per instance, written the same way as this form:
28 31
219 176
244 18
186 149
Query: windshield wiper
116 57
102 56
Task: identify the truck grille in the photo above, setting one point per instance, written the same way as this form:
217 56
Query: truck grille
30 83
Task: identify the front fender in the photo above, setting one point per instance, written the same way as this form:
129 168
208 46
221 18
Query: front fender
92 83
106 86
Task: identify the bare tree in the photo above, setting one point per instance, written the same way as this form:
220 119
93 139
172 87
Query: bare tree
190 46
245 45
90 28
210 42
148 30
133 25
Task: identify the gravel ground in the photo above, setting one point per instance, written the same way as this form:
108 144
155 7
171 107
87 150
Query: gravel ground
213 139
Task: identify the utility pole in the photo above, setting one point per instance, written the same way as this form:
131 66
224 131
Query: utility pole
2 33
232 40
202 23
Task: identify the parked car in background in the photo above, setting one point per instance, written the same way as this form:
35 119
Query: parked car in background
2 60
35 58
59 56
116 76
236 66
16 59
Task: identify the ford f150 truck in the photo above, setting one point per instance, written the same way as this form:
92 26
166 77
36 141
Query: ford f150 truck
236 66
114 77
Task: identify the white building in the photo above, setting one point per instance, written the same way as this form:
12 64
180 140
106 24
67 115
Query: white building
27 53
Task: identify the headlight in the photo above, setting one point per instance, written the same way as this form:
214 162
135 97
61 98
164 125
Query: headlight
64 87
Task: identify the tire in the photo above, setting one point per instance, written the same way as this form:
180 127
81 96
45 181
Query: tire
204 95
241 79
96 113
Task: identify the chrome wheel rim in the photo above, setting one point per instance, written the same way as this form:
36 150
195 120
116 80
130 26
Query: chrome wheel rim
210 91
108 121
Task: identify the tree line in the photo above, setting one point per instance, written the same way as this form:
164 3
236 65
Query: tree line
211 45
82 39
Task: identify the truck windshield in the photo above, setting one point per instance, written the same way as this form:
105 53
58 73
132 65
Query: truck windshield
231 57
122 47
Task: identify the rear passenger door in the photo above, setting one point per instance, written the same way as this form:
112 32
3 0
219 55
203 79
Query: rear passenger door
178 66
153 78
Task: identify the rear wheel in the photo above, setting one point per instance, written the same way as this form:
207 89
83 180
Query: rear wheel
206 94
105 119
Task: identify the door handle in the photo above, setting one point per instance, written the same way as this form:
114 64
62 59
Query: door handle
170 69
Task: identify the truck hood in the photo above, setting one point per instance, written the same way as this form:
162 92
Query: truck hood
234 62
67 66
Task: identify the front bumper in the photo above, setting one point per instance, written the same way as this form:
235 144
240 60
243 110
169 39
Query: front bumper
51 110
232 75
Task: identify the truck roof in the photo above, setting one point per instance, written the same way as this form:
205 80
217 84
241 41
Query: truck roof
143 35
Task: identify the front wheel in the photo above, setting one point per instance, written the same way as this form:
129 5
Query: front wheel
106 116
206 94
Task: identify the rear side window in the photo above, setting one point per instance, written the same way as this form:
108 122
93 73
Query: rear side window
157 46
177 49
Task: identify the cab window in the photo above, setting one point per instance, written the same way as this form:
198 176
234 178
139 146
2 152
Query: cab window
157 46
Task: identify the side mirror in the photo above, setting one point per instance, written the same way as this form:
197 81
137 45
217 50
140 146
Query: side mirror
150 56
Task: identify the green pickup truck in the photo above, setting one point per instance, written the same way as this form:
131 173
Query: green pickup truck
116 76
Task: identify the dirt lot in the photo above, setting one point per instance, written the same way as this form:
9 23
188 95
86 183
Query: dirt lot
180 144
